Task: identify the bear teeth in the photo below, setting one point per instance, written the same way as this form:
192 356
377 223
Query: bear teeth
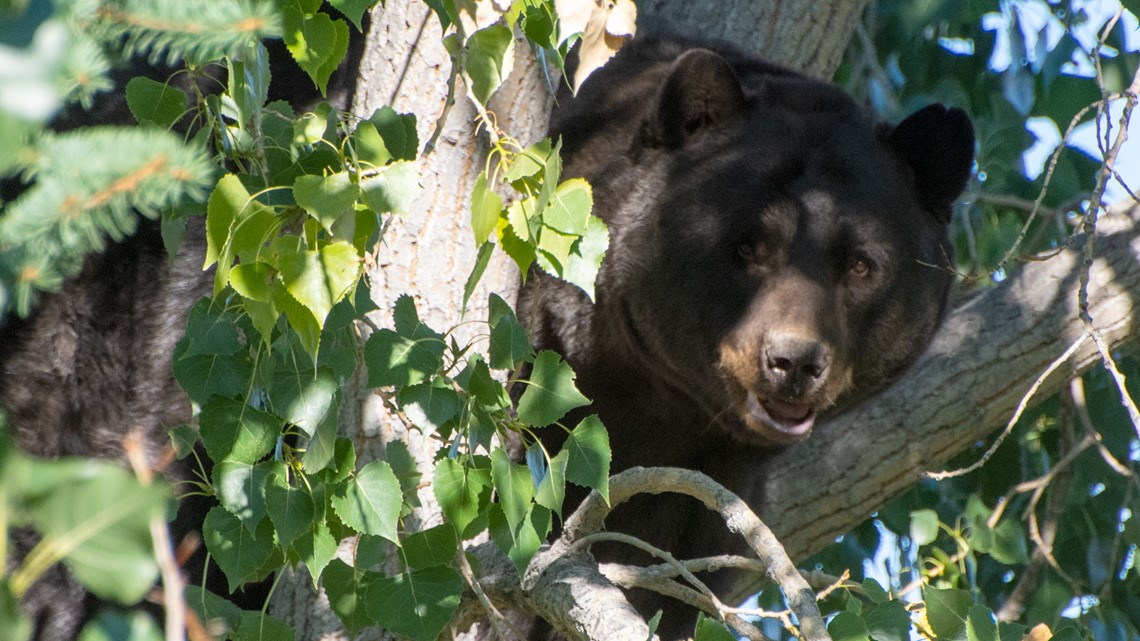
788 419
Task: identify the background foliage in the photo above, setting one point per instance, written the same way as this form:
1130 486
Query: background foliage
295 206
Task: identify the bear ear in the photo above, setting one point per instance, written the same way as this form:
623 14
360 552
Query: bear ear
938 145
700 91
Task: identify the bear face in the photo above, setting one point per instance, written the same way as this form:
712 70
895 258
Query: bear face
775 252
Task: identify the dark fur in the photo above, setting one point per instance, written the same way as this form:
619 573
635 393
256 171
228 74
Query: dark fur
744 202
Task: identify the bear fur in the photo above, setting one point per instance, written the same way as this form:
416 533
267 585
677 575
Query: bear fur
776 254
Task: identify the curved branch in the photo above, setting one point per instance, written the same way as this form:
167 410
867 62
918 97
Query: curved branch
740 519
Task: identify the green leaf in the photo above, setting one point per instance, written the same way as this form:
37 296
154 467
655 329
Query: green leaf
317 42
887 621
431 547
711 630
346 590
394 188
430 405
319 279
253 280
210 329
521 542
486 207
326 198
1009 545
304 398
398 132
980 624
353 9
923 526
96 516
417 604
155 102
584 261
370 502
316 548
509 343
257 626
589 452
488 61
481 262
462 492
215 613
234 431
239 553
513 485
946 611
550 392
411 354
875 591
847 626
371 151
290 509
240 488
520 250
569 209
552 489
407 471
121 626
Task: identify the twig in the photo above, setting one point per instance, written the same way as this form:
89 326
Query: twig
1088 226
938 476
497 619
1077 394
173 584
589 518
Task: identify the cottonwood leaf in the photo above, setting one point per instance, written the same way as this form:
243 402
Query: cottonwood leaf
588 449
513 485
522 541
463 492
326 198
394 188
239 553
415 604
345 588
486 207
240 488
550 392
430 405
315 548
370 502
552 488
290 509
431 547
847 626
319 279
353 9
231 430
317 42
711 630
155 102
489 58
946 611
257 626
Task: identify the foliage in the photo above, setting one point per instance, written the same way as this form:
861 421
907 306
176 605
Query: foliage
295 206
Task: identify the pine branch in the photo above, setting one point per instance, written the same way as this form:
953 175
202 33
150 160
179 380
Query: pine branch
196 30
88 184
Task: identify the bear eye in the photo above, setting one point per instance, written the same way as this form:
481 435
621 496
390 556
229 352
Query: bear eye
746 251
859 266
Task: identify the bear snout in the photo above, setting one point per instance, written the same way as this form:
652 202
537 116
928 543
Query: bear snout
794 366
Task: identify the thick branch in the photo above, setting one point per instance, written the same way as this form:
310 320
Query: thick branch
980 365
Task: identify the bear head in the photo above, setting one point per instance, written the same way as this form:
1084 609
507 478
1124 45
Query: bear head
776 252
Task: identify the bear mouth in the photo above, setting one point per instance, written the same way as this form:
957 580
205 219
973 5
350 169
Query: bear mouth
780 421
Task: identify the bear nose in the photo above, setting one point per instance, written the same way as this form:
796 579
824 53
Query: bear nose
796 364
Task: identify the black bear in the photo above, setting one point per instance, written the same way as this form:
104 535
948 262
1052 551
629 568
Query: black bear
776 254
